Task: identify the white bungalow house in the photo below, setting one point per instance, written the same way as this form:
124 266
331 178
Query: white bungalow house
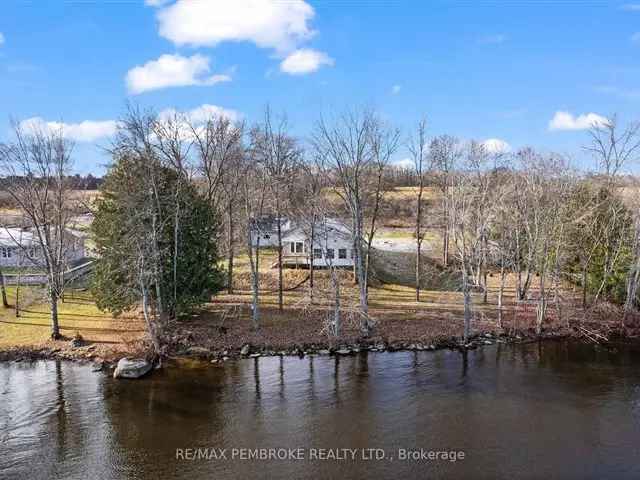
20 248
332 245
264 230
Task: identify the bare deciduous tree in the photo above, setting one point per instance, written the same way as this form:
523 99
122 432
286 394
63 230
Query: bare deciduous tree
345 152
219 152
418 148
445 152
38 162
277 151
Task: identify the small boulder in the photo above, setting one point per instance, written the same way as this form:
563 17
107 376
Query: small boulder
198 351
97 367
343 351
246 348
132 368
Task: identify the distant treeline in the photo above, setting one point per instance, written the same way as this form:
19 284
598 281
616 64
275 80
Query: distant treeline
78 182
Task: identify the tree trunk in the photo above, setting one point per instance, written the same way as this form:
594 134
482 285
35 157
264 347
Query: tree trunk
486 289
256 280
336 301
5 304
542 304
55 327
418 258
584 287
445 246
280 282
150 325
445 233
176 232
18 295
501 294
230 249
311 246
467 307
419 234
362 286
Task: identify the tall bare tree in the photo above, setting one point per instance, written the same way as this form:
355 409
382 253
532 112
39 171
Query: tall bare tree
278 152
384 140
38 162
219 152
254 193
614 146
419 149
445 152
345 152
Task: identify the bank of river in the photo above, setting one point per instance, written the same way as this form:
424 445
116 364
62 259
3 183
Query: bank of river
554 409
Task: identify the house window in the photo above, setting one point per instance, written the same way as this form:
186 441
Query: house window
330 253
299 247
352 253
292 247
317 253
6 252
342 253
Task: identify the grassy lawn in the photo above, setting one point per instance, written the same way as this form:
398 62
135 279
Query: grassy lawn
77 314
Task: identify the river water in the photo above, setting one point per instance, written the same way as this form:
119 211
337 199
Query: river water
548 410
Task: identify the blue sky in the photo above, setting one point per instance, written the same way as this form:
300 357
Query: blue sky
483 70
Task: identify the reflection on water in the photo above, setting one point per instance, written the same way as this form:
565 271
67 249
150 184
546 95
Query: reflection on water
530 411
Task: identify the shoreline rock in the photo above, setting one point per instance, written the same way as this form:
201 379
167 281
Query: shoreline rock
132 368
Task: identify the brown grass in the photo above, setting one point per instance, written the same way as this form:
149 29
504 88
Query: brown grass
77 315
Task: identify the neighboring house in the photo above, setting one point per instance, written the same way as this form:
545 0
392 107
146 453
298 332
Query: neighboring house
20 248
332 245
264 231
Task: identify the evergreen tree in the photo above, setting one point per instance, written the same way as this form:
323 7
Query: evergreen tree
156 240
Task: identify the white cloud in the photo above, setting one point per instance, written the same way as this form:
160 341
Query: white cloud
86 131
635 38
1 38
195 119
404 163
566 121
276 24
631 7
156 3
396 89
172 71
201 114
496 145
304 61
493 39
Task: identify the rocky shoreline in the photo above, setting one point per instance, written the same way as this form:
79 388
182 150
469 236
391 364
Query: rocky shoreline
89 354
345 349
